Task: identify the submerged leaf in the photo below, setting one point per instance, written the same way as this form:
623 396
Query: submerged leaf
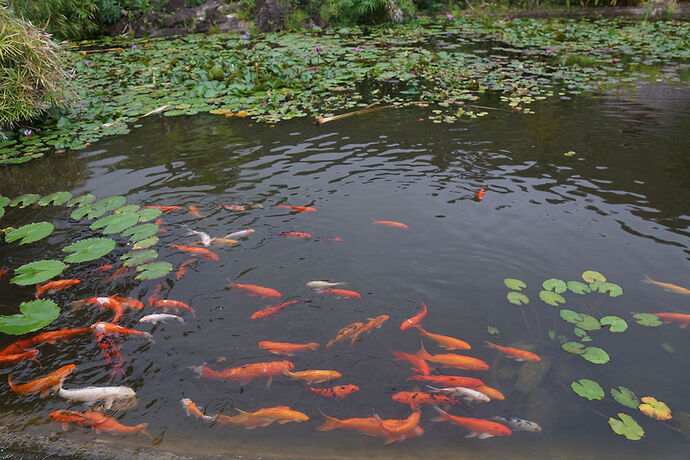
655 409
34 315
617 324
517 298
588 389
647 319
555 285
30 233
626 426
625 396
56 199
138 257
25 200
613 289
551 298
596 355
578 287
153 271
88 249
37 272
82 200
141 231
514 284
575 348
115 223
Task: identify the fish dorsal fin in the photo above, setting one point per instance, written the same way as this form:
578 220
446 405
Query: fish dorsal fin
282 407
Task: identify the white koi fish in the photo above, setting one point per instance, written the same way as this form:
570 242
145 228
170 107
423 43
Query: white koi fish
92 394
240 234
465 393
160 317
205 238
323 284
517 424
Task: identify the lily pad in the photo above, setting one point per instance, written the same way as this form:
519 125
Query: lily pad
37 272
115 223
581 333
127 209
613 289
34 315
88 249
153 271
146 214
80 212
517 298
575 348
625 396
570 316
24 200
591 276
588 389
4 201
617 324
596 355
555 285
56 199
655 409
626 426
647 319
514 284
2 212
138 257
145 243
492 331
551 298
141 231
578 287
105 205
82 200
30 233
588 323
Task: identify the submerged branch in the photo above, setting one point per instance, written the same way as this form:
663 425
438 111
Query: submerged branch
367 109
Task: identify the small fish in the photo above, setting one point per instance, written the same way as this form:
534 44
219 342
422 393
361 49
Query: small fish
65 417
297 208
128 303
338 392
204 238
296 235
240 234
205 253
103 302
515 353
480 194
195 212
247 373
287 349
517 424
92 394
335 239
416 320
417 398
159 222
318 285
54 286
264 417
4 270
46 337
156 293
449 343
492 393
120 272
44 384
275 309
256 291
479 428
167 304
374 323
234 207
191 408
668 318
119 330
165 208
341 293
449 380
100 422
462 392
111 353
313 376
28 355
418 364
456 361
345 333
667 286
160 318
389 223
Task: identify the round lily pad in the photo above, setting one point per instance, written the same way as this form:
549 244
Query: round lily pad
115 223
138 257
127 209
647 319
588 323
30 233
617 324
551 298
88 249
655 409
56 199
555 285
575 348
570 316
612 289
34 315
145 243
37 272
24 200
82 200
4 201
517 298
578 287
146 214
514 284
153 271
141 231
80 212
106 205
492 331
591 276
625 396
596 355
588 389
626 426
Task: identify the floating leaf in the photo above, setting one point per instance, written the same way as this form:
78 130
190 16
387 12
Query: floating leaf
591 276
581 333
555 285
668 347
4 201
138 257
575 348
617 324
625 396
514 284
552 334
105 205
83 200
80 212
34 315
517 298
596 355
551 298
588 389
25 200
145 243
141 231
588 323
30 233
647 319
128 208
613 289
115 223
626 426
570 316
88 249
655 409
153 271
56 199
37 272
146 214
2 212
492 331
578 288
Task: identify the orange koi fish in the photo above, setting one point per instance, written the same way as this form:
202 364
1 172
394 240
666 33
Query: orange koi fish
54 286
480 194
183 268
516 353
165 208
103 302
492 393
667 286
374 323
234 207
19 357
296 235
195 212
338 392
110 328
100 422
65 417
191 408
297 208
668 318
389 223
449 380
275 309
205 253
264 417
335 239
168 304
287 349
247 373
111 353
456 361
418 364
406 426
44 384
120 272
17 347
159 222
62 334
4 271
219 241
417 398
482 429
128 303
368 426
449 343
345 333
314 376
156 294
341 293
416 320
256 291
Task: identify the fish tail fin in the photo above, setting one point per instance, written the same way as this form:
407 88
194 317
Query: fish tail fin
38 290
490 344
330 343
149 337
647 279
141 428
331 423
442 417
313 346
9 381
424 307
423 353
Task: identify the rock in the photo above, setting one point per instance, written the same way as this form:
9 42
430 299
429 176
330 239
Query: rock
270 15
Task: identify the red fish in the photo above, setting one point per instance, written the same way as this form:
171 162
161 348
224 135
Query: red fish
165 208
167 304
515 353
287 349
98 270
389 223
338 392
120 272
159 222
345 333
54 286
456 361
65 417
183 268
195 212
205 253
19 357
156 294
110 328
341 293
369 426
417 398
100 422
416 320
247 373
50 337
480 194
103 302
418 364
44 384
449 380
4 271
297 208
256 291
335 239
296 235
275 309
128 303
481 428
111 353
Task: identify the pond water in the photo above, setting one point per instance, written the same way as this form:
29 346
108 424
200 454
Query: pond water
619 205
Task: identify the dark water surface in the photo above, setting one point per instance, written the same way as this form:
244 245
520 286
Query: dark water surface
620 205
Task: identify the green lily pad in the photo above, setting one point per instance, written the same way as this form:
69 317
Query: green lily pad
581 333
492 331
147 214
596 355
551 298
617 324
141 231
552 334
2 212
88 249
555 285
30 233
82 200
153 271
145 243
578 287
24 200
575 348
56 199
115 223
80 212
588 323
127 209
588 389
668 347
37 272
613 289
34 315
138 257
4 201
626 426
647 319
591 276
106 205
570 316
625 396
514 284
517 298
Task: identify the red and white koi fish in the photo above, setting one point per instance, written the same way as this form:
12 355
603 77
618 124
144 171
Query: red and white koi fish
465 393
110 303
54 286
234 207
296 235
110 328
191 408
205 253
128 303
416 320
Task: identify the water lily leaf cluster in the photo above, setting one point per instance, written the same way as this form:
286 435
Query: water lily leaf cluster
34 315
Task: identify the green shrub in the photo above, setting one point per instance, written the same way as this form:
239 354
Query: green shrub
366 11
64 19
31 71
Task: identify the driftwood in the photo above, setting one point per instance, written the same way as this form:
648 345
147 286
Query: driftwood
367 109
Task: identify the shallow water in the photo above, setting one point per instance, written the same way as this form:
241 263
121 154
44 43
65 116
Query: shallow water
619 206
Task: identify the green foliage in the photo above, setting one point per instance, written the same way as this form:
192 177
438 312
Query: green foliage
626 426
56 199
625 396
88 249
551 298
517 298
30 233
588 389
153 271
514 284
617 324
366 11
37 272
138 257
65 19
34 315
596 355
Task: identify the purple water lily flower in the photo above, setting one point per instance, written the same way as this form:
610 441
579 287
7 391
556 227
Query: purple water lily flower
357 48
86 63
244 37
449 16
27 132
549 51
318 49
567 27
80 106
134 47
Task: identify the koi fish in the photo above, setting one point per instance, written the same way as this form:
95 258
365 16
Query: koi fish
406 426
183 268
338 392
275 309
160 317
335 239
313 376
240 234
517 424
247 373
167 304
418 364
100 422
467 394
492 393
19 357
255 291
103 302
220 241
416 320
389 223
374 323
50 337
4 271
191 408
297 208
234 207
159 222
667 286
345 333
482 429
368 426
480 194
449 343
165 208
264 417
341 293
515 353
120 272
205 253
456 361
204 238
110 328
128 303
449 380
417 398
17 347
287 349
195 212
111 353
318 285
296 235
44 384
65 417
156 294
54 286
90 395
668 318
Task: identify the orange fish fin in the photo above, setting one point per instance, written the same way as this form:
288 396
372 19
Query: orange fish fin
45 393
141 428
331 423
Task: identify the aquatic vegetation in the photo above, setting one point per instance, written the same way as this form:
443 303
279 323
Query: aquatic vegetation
551 298
152 271
654 409
37 272
625 396
626 426
646 319
88 249
30 233
588 389
617 324
34 315
517 298
555 285
514 284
